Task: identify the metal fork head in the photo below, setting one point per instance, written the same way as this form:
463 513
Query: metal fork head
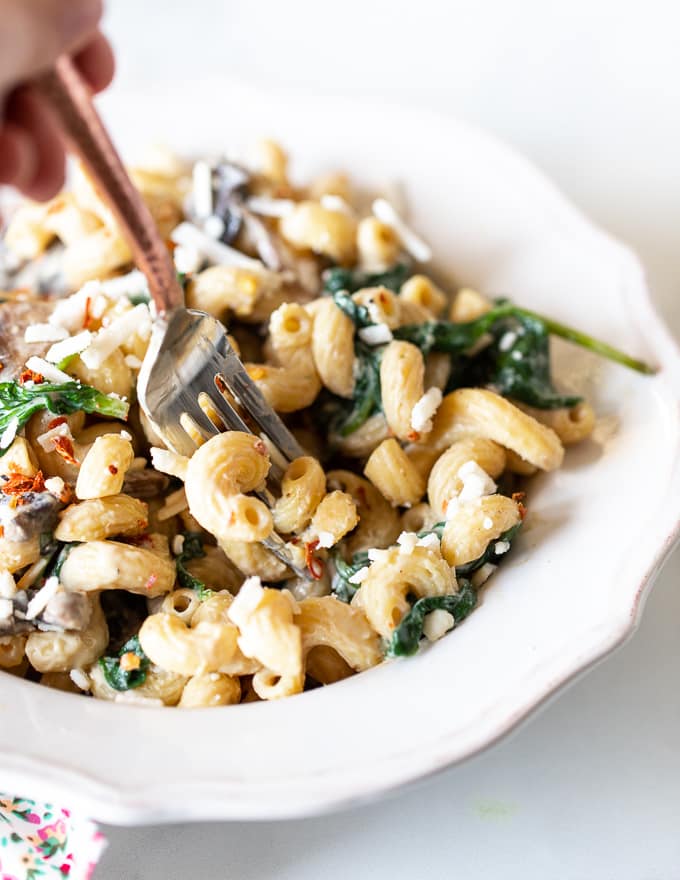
190 357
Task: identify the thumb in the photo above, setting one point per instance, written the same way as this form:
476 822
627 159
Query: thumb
34 33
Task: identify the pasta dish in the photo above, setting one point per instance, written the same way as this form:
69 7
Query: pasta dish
132 573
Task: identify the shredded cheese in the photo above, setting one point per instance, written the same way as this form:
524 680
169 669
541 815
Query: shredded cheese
430 541
80 679
326 539
501 547
108 339
189 235
175 503
408 541
70 312
268 207
132 284
418 249
8 587
48 370
437 623
376 334
359 576
214 226
45 333
67 347
482 575
55 486
247 599
9 433
39 602
424 410
476 482
202 189
187 259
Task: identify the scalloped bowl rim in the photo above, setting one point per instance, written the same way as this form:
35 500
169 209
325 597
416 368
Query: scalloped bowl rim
108 797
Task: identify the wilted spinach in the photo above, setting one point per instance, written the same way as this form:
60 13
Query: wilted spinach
125 679
404 640
351 280
192 548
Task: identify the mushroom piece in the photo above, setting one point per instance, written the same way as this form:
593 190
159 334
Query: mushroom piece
36 515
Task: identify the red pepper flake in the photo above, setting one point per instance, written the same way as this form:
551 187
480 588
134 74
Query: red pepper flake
113 469
130 661
2 531
220 384
87 318
413 436
518 497
64 447
66 496
29 376
314 565
20 484
2 367
60 420
152 580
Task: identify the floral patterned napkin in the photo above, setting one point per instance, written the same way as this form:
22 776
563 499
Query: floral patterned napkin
42 842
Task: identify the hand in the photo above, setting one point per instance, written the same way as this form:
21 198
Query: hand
33 33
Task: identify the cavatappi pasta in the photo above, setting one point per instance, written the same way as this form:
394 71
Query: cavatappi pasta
134 574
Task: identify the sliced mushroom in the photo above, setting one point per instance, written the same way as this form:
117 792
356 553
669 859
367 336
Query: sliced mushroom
37 513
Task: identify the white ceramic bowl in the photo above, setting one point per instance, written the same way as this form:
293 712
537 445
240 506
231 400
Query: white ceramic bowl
573 589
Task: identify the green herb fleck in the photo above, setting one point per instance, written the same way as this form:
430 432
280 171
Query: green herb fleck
341 586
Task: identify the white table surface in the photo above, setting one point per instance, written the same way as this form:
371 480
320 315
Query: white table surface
590 788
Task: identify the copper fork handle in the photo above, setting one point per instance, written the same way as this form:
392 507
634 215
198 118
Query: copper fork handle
71 101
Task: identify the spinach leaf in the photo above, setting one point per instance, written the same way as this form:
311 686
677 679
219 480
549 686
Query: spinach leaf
405 638
346 416
341 586
125 679
21 401
351 280
358 313
191 549
489 555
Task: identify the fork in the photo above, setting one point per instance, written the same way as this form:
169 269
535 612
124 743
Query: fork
190 360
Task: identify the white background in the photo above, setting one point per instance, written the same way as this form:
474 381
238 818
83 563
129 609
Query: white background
589 789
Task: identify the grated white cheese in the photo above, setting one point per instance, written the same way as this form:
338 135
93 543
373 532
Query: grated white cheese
189 235
377 334
47 439
48 370
247 599
133 361
6 609
418 249
108 339
178 544
488 523
80 679
408 542
39 602
168 462
430 541
359 576
70 312
476 482
326 539
45 333
268 207
424 410
376 553
132 284
336 203
70 345
437 623
482 575
501 547
8 587
508 339
125 435
202 189
55 486
214 226
9 433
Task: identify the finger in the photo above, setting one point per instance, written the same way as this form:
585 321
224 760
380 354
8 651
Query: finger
30 113
33 34
18 156
96 62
